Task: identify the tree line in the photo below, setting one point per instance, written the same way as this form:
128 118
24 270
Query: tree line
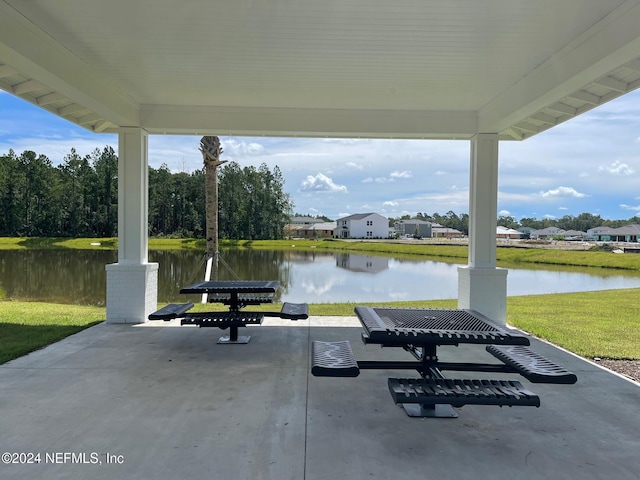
79 198
582 222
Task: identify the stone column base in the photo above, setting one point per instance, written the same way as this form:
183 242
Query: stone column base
484 290
132 292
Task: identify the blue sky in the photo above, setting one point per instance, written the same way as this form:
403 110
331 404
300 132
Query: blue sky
589 164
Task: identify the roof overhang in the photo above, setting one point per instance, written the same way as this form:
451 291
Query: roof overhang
340 68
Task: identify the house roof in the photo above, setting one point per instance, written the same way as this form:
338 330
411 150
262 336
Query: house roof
415 222
624 230
342 68
320 226
500 230
360 216
574 233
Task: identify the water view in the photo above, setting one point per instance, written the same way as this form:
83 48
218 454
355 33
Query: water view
78 276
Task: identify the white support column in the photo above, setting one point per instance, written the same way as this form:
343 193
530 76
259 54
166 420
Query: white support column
132 283
482 286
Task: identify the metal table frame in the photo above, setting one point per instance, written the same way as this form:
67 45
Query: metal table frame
236 295
421 331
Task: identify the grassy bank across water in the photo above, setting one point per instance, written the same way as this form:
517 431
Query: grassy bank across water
506 256
593 324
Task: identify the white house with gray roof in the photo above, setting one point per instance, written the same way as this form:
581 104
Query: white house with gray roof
363 225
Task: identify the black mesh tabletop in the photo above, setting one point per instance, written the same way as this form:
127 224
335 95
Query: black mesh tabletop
401 326
237 286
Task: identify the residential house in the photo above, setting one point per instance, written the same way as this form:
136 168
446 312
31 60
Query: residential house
526 231
363 225
504 232
317 230
594 233
546 233
445 232
413 227
574 235
628 233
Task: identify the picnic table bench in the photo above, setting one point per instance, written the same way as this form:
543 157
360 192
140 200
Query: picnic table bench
420 332
237 295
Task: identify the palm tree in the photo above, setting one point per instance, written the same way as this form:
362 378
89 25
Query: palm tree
211 151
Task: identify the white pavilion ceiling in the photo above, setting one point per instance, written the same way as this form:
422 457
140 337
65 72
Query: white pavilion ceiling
349 68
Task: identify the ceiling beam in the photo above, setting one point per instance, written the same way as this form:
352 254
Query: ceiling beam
585 97
26 87
563 108
49 98
544 118
613 84
312 122
70 109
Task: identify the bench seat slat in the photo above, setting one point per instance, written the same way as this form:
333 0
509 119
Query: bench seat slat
461 392
294 311
333 359
171 311
531 365
223 319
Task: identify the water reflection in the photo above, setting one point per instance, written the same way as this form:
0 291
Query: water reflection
78 276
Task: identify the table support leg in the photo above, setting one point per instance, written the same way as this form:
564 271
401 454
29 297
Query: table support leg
233 337
433 411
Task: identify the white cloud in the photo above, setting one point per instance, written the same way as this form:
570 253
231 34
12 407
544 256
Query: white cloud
630 207
390 204
403 174
616 168
321 183
354 165
504 213
563 192
235 147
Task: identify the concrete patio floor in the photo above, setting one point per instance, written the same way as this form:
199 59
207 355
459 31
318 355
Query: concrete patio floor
165 403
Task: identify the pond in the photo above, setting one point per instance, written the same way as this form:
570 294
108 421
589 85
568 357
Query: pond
78 276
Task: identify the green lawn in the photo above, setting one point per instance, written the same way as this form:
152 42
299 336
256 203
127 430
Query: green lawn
602 324
28 326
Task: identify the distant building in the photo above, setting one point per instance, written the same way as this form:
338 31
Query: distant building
546 232
504 232
526 231
413 227
593 233
363 225
317 230
444 232
305 220
574 235
628 233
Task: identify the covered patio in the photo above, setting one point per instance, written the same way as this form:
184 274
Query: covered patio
129 399
482 72
154 401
